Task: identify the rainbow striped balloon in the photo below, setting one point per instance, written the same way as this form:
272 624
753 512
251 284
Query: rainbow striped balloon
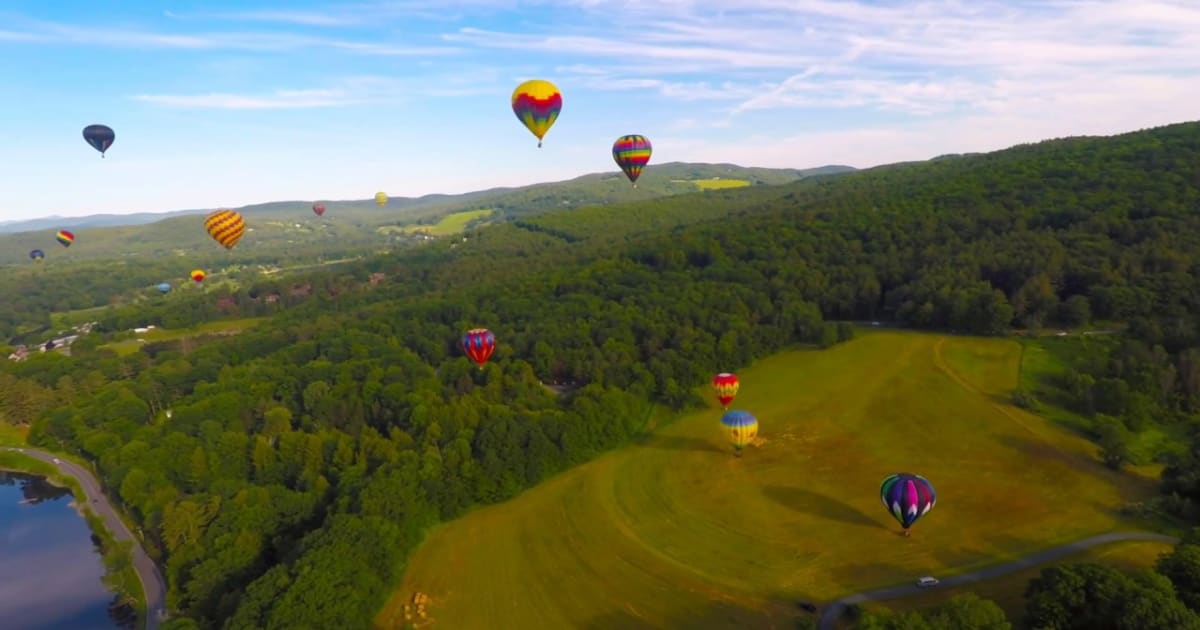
632 153
537 104
225 227
65 238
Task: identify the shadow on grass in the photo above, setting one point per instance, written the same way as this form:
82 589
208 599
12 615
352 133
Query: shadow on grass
819 505
780 613
680 443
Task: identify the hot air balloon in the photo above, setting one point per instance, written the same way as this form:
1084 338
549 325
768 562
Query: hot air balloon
65 238
381 198
225 227
479 343
726 385
318 209
37 255
100 137
632 153
198 275
742 428
907 497
537 104
164 287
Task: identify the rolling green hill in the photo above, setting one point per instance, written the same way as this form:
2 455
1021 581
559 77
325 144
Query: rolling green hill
289 228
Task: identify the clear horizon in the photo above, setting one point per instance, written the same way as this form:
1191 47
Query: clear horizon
225 105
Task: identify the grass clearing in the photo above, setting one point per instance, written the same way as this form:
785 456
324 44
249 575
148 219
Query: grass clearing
718 184
449 224
13 435
228 326
676 532
1009 591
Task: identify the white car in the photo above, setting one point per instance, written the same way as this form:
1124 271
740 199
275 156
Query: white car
927 581
57 460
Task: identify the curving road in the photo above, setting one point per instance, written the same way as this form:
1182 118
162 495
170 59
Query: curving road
834 610
152 581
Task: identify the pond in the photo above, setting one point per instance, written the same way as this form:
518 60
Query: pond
50 566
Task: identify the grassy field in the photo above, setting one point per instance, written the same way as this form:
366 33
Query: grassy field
128 346
11 435
1009 591
717 184
448 225
676 532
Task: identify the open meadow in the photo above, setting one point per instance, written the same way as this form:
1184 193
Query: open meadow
675 531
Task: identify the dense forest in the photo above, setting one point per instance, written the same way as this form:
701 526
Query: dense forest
282 475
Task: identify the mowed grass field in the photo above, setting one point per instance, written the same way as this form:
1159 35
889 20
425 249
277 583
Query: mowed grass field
446 226
717 184
677 532
228 326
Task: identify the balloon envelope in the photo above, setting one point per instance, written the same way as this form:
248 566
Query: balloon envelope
225 227
726 386
37 255
907 497
164 287
381 198
479 343
198 275
100 137
742 425
632 153
537 104
318 209
65 238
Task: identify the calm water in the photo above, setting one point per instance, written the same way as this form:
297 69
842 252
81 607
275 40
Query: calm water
50 569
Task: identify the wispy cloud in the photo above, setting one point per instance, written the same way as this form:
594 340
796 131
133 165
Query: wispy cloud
37 31
360 90
302 18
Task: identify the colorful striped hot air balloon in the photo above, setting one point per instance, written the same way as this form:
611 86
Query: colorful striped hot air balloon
632 153
479 343
537 104
225 227
907 498
726 385
198 275
64 238
742 428
381 198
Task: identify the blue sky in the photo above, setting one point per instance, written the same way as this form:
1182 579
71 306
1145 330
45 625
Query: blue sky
220 103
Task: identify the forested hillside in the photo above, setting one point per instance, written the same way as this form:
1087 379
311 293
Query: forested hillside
303 459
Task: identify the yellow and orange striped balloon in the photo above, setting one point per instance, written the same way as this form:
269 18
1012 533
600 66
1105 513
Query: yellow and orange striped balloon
225 227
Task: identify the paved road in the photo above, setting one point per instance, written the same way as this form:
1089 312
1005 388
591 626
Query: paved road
834 610
152 580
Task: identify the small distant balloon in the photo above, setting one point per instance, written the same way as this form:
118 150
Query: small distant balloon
225 227
537 104
37 255
318 209
198 275
632 153
381 198
64 238
100 137
164 287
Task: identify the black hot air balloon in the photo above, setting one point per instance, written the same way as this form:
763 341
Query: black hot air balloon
100 137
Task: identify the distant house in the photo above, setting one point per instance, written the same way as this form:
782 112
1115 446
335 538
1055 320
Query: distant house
376 278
